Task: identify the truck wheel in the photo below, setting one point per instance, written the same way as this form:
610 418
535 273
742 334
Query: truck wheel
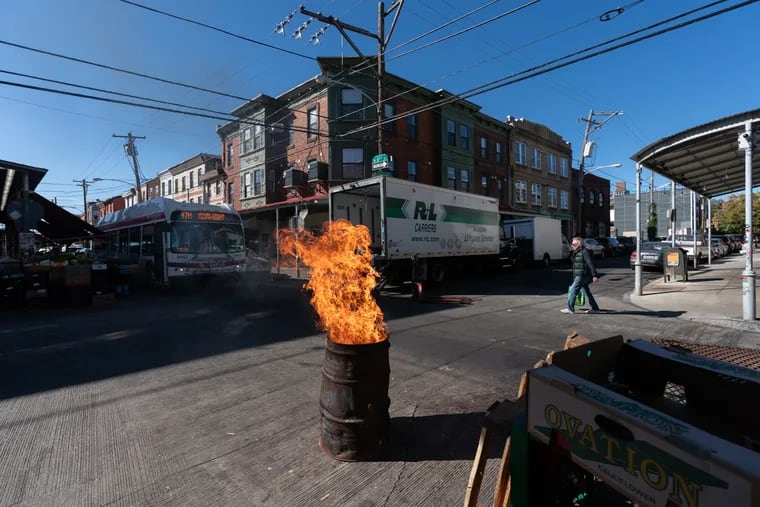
437 273
547 260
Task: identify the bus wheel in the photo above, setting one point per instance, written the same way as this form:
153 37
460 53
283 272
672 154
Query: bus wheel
437 273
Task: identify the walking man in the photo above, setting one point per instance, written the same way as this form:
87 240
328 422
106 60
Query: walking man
584 273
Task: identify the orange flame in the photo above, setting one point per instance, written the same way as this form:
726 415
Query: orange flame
342 279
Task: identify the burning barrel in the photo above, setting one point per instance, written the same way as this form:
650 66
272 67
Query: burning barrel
354 401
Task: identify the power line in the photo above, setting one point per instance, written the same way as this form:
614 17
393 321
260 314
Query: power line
220 30
546 67
124 71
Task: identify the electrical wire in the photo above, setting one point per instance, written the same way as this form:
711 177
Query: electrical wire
220 30
124 71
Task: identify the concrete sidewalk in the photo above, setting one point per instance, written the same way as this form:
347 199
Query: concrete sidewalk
712 294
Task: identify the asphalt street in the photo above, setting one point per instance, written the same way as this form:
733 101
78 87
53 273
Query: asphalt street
210 397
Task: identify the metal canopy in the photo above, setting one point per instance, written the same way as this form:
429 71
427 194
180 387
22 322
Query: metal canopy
705 158
12 179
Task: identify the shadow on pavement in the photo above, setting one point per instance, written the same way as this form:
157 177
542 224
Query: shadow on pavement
442 437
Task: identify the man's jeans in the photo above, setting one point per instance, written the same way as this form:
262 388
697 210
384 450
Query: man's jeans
576 287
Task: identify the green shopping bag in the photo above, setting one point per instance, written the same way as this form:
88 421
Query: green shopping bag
580 298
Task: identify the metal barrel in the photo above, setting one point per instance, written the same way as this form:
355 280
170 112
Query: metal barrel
354 400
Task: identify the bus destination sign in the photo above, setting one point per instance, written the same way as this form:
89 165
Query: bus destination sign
203 216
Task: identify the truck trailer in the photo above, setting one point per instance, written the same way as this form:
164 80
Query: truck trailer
538 239
421 232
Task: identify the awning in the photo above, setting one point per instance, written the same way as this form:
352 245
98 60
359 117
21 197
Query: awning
58 224
12 179
706 158
287 203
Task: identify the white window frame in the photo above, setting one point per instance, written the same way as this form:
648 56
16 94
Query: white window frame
551 163
246 145
591 197
551 197
484 185
411 170
258 137
352 167
521 191
464 137
312 122
464 180
451 132
451 178
535 194
499 153
563 168
484 148
535 157
521 153
351 104
258 182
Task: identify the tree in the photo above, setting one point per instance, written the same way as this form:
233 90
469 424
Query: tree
728 215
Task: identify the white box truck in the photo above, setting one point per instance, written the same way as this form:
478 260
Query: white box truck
421 232
538 239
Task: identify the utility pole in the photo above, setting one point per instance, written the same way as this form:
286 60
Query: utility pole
592 125
382 43
131 150
84 184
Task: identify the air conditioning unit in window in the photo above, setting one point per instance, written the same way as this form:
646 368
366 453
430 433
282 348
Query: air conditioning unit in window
317 171
294 178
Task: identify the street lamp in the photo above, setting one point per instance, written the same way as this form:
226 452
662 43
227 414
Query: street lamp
581 230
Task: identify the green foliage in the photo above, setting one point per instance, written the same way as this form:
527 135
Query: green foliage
728 215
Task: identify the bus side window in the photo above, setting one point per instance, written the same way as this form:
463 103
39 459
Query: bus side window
147 240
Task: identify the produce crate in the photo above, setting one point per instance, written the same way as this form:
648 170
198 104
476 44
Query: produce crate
658 424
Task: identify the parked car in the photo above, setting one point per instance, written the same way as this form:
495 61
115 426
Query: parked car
612 246
628 243
652 254
594 247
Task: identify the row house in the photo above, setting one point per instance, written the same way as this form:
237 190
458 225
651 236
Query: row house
281 154
595 204
541 172
182 182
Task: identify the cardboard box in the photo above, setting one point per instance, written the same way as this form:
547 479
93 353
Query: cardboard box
607 404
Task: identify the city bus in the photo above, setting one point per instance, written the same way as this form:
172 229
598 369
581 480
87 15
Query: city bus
168 240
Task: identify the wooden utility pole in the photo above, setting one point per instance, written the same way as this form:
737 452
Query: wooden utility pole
131 150
84 184
382 43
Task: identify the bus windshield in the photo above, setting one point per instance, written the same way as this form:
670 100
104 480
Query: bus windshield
206 238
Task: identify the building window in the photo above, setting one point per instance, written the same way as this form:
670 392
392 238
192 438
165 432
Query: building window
451 133
484 185
500 188
464 180
169 187
484 148
229 157
411 170
601 200
312 123
563 171
535 158
351 104
411 127
535 192
551 196
451 178
353 163
258 137
258 182
289 131
230 192
246 146
499 153
520 153
389 111
245 185
184 183
163 188
218 188
192 180
551 163
464 137
591 197
521 192
200 172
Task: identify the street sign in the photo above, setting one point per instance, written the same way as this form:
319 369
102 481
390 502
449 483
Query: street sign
380 161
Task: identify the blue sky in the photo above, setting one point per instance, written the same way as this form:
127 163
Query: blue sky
663 85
